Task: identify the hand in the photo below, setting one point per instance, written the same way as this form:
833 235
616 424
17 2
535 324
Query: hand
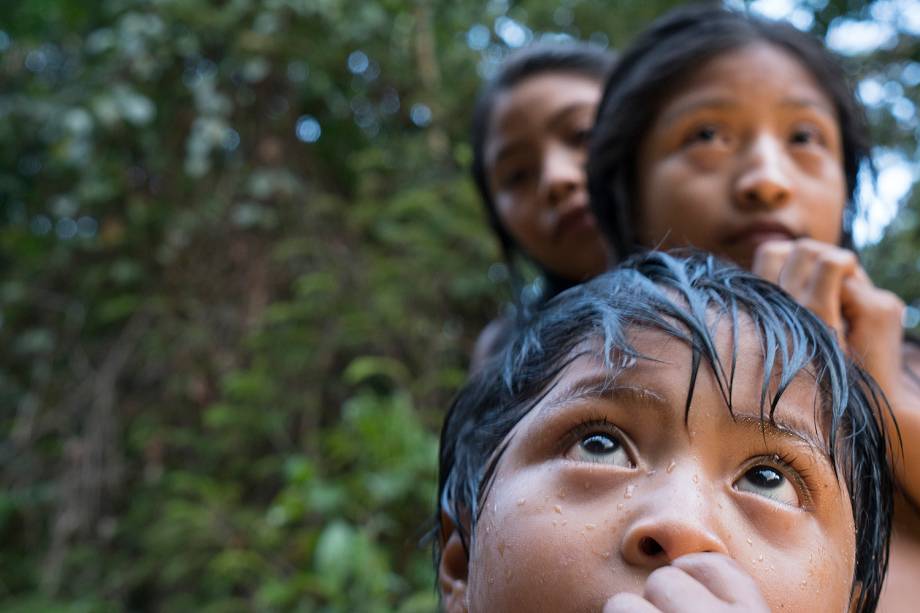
830 282
698 582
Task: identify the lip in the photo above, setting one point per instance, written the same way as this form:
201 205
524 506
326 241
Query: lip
758 233
575 221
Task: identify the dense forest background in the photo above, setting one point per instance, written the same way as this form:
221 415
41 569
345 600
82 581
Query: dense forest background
243 268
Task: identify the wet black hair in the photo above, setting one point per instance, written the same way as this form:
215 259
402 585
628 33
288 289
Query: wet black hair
570 57
658 64
678 296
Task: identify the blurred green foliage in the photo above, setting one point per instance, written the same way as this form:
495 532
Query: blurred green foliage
243 268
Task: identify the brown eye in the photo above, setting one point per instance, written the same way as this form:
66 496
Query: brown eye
769 482
707 135
516 178
579 138
601 448
806 136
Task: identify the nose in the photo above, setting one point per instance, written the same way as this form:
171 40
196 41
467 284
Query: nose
665 529
562 174
764 181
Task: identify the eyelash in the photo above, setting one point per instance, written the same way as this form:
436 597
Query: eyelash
593 426
790 467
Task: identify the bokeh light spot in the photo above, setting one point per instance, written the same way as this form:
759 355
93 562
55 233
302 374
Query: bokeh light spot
66 228
477 37
358 62
511 32
420 115
308 129
41 225
87 227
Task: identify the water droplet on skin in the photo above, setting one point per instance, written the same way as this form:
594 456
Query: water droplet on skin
557 509
491 580
629 491
760 558
521 501
671 466
587 485
749 541
651 473
564 522
696 478
590 526
619 506
804 583
562 494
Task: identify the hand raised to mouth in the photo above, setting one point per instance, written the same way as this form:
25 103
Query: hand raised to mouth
694 583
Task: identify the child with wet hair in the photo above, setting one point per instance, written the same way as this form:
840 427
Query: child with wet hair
741 136
676 435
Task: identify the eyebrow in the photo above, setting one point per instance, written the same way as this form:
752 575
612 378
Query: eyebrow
726 102
604 388
513 147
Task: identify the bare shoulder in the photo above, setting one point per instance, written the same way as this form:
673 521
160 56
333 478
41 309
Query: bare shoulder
489 342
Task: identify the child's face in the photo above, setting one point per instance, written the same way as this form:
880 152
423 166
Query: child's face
747 151
535 157
599 488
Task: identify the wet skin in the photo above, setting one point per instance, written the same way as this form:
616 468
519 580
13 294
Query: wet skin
745 161
605 497
535 155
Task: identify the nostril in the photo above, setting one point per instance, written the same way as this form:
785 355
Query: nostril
650 547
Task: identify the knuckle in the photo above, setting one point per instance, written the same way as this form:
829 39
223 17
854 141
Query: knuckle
838 258
662 578
774 249
890 303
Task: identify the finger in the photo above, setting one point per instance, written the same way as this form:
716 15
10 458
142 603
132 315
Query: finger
833 265
671 589
629 603
799 268
770 258
874 317
721 576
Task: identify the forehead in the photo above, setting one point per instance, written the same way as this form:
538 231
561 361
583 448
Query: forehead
667 373
533 102
760 70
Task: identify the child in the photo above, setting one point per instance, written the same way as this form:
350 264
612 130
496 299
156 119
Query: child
529 137
675 435
740 136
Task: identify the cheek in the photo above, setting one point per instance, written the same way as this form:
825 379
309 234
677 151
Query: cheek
826 201
679 205
799 563
538 549
517 216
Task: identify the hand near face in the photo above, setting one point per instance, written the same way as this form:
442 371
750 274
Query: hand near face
698 582
831 283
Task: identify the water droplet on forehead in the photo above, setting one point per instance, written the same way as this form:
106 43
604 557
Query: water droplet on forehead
629 491
671 466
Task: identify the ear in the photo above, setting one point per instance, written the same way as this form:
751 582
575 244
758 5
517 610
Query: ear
453 570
